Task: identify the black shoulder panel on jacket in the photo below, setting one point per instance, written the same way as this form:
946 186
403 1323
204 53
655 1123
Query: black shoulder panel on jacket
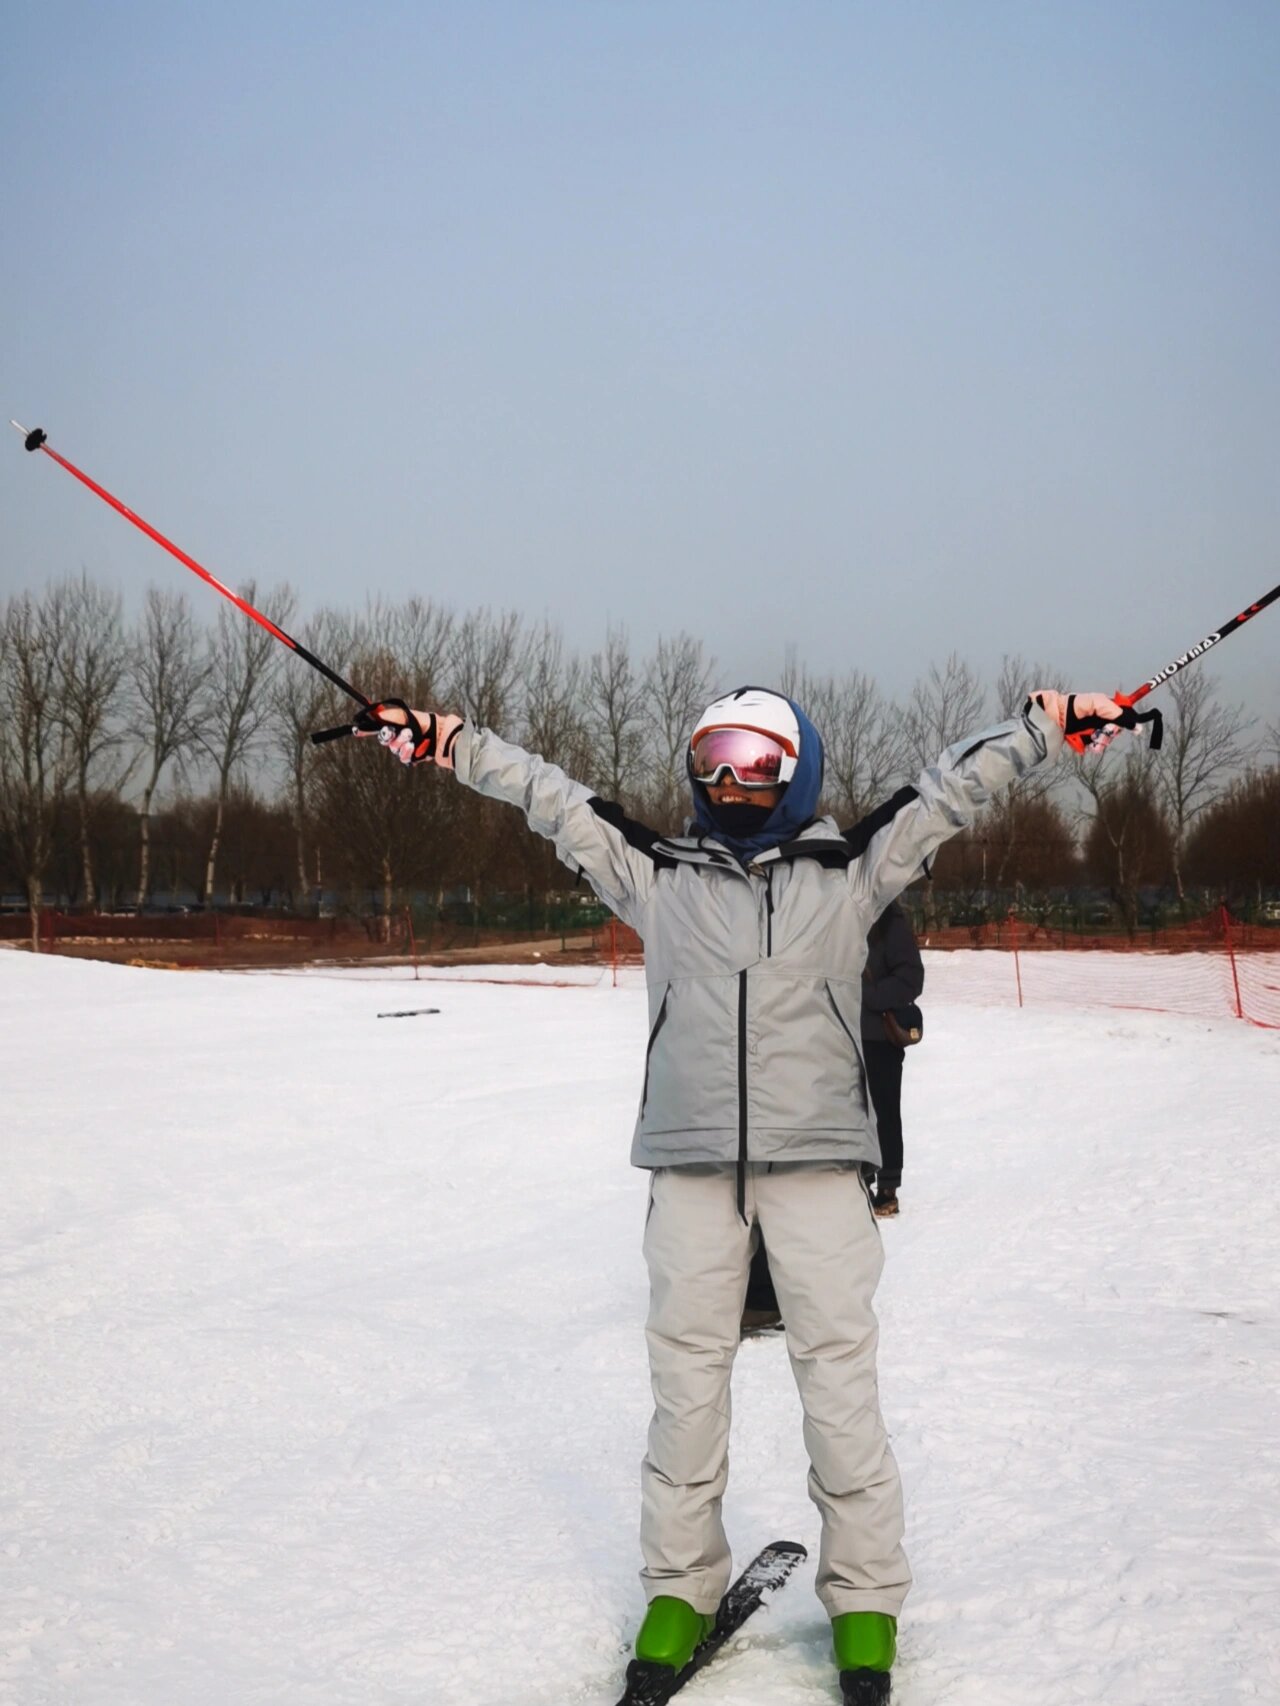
637 835
862 831
834 855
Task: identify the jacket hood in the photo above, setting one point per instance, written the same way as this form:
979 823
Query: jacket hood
796 808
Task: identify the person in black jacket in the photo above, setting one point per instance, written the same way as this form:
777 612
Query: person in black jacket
892 980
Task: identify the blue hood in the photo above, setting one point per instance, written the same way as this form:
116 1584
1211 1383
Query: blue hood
797 807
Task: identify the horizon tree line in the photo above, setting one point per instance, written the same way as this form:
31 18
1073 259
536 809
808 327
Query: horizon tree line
116 730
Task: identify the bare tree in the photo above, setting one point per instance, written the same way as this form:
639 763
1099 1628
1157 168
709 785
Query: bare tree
303 701
554 721
167 679
242 659
34 758
1127 838
794 681
945 704
1014 817
1204 746
677 686
617 707
1017 680
374 815
421 633
864 738
486 656
91 675
1235 844
553 725
383 826
406 650
486 662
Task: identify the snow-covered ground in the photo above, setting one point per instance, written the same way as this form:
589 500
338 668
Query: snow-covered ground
323 1379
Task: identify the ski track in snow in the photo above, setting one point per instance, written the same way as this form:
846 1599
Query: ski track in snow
323 1377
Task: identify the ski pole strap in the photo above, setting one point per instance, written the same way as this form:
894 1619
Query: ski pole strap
436 740
1084 732
1156 720
370 721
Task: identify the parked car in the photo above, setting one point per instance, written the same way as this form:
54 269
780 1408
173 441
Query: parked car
1094 912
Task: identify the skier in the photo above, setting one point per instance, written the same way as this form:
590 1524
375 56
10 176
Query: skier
754 1120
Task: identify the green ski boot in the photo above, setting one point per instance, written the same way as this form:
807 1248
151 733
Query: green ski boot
671 1631
866 1643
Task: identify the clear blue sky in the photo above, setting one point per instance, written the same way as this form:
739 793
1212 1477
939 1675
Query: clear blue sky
876 329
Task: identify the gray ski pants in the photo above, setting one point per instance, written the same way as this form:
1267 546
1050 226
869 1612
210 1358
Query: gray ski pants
826 1256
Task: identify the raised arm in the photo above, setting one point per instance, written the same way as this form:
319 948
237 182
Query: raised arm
897 841
590 835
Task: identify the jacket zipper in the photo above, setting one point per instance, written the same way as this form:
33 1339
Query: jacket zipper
742 1095
768 910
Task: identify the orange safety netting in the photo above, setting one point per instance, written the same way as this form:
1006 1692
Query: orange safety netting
1211 967
1207 967
1205 984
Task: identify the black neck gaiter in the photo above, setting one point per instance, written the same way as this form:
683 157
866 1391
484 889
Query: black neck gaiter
740 821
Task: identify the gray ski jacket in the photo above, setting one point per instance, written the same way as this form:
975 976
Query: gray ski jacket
754 973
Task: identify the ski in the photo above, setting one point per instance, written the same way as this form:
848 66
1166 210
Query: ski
769 1330
652 1685
864 1687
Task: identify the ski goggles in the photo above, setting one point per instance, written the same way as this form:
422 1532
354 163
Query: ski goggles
754 758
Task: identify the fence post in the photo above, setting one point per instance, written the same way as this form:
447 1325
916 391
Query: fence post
1017 964
413 941
1231 955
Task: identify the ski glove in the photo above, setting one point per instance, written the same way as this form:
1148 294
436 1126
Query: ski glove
416 737
1092 718
432 742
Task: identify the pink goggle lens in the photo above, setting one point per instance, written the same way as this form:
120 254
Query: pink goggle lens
754 758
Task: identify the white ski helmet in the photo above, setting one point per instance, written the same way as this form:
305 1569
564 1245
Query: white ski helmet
754 708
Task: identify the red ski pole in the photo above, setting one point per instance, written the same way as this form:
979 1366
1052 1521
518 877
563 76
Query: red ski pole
1104 737
370 715
38 440
1199 649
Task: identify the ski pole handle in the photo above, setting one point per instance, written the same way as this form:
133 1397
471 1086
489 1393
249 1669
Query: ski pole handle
1095 733
371 721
